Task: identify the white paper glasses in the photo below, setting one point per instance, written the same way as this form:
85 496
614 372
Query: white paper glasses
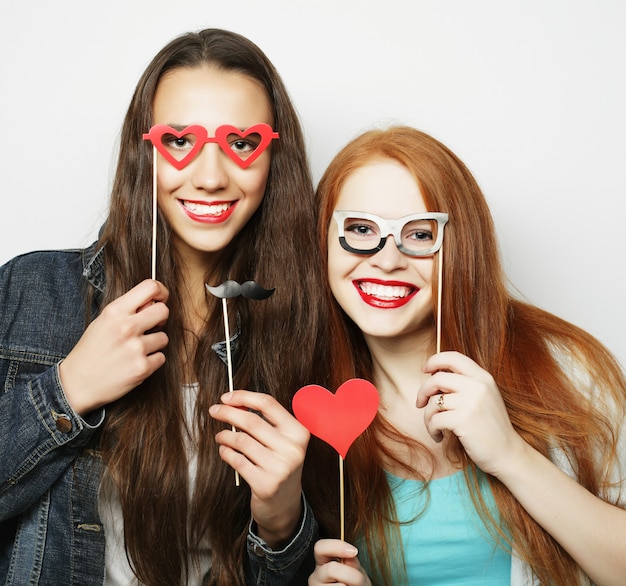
414 235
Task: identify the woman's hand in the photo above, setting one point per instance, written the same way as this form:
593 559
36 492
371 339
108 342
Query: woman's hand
587 527
461 397
336 562
268 451
118 350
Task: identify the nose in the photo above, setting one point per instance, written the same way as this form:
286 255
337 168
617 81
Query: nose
209 172
389 257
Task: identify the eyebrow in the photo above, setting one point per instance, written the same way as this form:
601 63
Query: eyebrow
181 127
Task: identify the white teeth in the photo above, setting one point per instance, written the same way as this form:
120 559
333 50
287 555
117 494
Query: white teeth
384 291
206 209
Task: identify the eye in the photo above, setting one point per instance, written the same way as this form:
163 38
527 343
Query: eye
419 231
420 235
178 143
244 147
361 229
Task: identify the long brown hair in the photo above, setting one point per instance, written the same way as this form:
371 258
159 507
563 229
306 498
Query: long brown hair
543 365
144 435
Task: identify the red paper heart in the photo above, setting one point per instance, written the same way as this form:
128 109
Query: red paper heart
201 137
340 418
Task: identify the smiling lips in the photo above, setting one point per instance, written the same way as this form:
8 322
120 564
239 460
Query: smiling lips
208 213
385 294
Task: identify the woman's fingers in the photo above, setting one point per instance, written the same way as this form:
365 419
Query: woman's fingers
331 549
462 398
262 417
337 563
267 448
118 350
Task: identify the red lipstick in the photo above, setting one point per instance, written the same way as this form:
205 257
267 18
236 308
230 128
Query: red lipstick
385 294
209 218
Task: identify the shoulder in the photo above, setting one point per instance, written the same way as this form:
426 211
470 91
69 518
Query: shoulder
42 297
46 267
39 263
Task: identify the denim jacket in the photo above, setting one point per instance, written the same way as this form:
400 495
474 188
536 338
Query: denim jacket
50 532
50 463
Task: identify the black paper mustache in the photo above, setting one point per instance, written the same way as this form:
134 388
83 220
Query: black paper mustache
249 289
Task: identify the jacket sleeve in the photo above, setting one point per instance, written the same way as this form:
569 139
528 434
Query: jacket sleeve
42 316
290 566
40 435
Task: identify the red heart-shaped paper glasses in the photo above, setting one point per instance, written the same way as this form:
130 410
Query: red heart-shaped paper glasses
168 141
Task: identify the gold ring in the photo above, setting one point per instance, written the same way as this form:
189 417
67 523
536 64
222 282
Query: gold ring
440 404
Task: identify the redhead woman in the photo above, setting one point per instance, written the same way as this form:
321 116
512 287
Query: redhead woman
497 455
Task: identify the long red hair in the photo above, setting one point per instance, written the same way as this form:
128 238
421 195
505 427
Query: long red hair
522 346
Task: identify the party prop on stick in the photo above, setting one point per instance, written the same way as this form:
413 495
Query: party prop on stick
228 290
337 419
180 146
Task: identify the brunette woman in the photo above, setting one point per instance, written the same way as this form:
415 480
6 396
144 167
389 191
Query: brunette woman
110 471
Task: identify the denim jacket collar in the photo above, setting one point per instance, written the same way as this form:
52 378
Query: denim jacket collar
93 262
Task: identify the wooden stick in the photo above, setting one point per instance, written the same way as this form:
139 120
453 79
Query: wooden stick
439 295
229 362
228 355
341 499
154 211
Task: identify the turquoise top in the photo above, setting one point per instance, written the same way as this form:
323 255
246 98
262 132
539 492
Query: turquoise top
448 544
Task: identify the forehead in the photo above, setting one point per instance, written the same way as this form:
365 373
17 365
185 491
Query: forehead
210 97
383 187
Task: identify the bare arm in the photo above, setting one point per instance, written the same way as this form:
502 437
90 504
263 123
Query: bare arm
590 529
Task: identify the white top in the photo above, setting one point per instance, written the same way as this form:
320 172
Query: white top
117 569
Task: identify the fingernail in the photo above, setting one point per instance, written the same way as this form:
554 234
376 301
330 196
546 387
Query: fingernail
213 409
350 550
227 397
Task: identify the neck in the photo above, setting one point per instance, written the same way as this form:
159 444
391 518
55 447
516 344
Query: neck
398 376
397 365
